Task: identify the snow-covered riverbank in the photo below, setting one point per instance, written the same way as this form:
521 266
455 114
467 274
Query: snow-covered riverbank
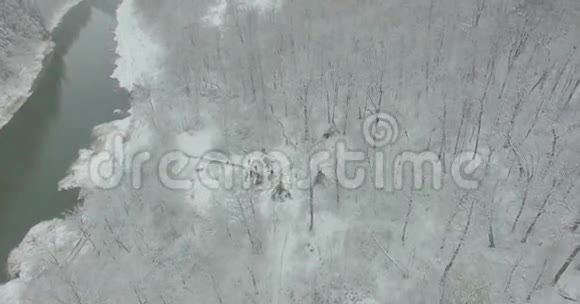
16 89
27 261
136 65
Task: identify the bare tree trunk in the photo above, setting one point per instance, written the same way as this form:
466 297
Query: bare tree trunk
246 225
490 235
455 254
572 93
524 199
478 129
311 203
328 107
335 100
234 11
566 265
303 100
540 212
409 210
254 282
404 273
491 71
511 275
480 6
450 221
337 184
537 282
463 112
540 107
347 107
515 112
215 288
442 147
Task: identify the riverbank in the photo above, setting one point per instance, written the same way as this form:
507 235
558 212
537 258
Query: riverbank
135 65
15 91
88 88
27 260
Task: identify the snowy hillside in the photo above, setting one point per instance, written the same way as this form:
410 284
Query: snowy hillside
25 28
253 123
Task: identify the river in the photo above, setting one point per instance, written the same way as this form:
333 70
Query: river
73 94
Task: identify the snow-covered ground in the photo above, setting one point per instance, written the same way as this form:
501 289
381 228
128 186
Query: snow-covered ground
367 245
15 91
138 53
23 264
215 15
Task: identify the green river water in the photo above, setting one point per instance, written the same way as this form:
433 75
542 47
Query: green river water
72 95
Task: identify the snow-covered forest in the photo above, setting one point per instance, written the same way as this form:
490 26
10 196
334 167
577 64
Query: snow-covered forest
499 78
25 29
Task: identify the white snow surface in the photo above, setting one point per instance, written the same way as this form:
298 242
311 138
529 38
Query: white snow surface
10 292
138 53
216 13
339 247
46 236
49 236
195 145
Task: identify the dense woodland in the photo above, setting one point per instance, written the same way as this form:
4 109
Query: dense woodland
495 77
